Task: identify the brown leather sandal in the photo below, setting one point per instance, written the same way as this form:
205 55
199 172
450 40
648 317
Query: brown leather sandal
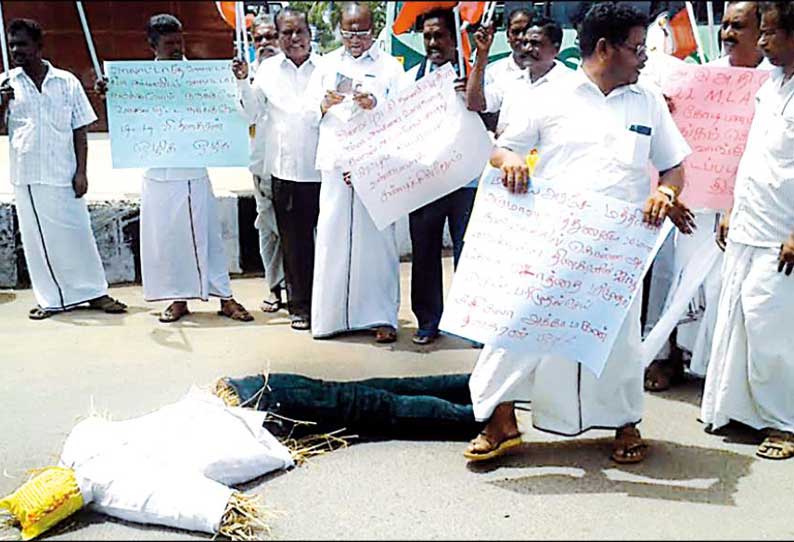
232 309
628 446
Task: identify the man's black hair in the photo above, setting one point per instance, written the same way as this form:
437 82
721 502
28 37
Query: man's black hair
755 4
31 27
159 25
785 14
445 15
610 21
287 11
520 11
550 28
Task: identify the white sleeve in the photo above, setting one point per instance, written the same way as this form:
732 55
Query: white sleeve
82 112
251 100
493 91
668 146
315 91
523 131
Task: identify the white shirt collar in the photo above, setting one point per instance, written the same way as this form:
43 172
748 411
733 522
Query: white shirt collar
285 60
585 81
52 72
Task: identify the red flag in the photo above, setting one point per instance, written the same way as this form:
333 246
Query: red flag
466 48
472 11
684 43
411 11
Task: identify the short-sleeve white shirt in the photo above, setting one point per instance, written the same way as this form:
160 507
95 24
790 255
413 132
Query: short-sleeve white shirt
41 126
499 77
586 138
763 208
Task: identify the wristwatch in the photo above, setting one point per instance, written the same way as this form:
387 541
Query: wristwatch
669 191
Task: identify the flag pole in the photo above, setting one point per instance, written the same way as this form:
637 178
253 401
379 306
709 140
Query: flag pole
712 37
89 41
694 24
238 37
458 33
244 31
3 43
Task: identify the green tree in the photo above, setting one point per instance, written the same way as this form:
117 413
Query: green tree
324 17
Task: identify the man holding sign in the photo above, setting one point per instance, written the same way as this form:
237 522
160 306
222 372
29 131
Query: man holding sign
357 267
182 254
47 113
751 371
597 129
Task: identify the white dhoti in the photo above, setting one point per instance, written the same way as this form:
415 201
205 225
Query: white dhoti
566 398
357 267
696 334
182 255
751 371
269 238
60 250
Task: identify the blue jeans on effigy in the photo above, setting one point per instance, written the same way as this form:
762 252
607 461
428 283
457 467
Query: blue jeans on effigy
430 407
427 231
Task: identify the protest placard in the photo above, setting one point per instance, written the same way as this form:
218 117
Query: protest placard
174 114
413 149
713 107
549 272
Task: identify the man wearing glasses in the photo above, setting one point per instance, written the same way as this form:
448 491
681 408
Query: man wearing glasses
357 267
596 131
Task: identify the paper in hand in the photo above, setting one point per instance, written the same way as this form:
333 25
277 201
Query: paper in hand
344 84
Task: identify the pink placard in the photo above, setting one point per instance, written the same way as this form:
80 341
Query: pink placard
713 107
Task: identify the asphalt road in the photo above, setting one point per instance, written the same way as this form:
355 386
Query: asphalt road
693 485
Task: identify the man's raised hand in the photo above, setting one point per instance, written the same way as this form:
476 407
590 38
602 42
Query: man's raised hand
483 39
101 87
6 94
240 69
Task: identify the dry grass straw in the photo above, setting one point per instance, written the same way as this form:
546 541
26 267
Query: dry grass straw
246 518
310 446
228 394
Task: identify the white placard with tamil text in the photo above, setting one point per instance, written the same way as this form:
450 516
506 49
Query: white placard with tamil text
550 271
413 149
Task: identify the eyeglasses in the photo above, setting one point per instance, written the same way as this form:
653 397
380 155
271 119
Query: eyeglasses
349 35
638 49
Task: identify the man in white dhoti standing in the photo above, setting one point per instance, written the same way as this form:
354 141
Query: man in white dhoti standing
265 37
750 376
357 267
692 338
47 112
182 254
595 131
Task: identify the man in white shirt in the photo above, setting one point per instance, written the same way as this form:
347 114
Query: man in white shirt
693 338
751 371
47 112
265 38
489 83
357 267
182 255
596 131
290 135
499 86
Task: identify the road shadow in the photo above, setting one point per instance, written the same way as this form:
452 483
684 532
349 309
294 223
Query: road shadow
404 342
84 317
7 297
738 433
671 472
85 518
690 391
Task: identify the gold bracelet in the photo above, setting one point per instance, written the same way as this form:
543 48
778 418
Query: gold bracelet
668 191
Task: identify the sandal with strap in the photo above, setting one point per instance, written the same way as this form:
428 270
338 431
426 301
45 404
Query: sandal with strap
37 313
628 446
170 315
777 445
477 452
385 334
107 304
232 309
